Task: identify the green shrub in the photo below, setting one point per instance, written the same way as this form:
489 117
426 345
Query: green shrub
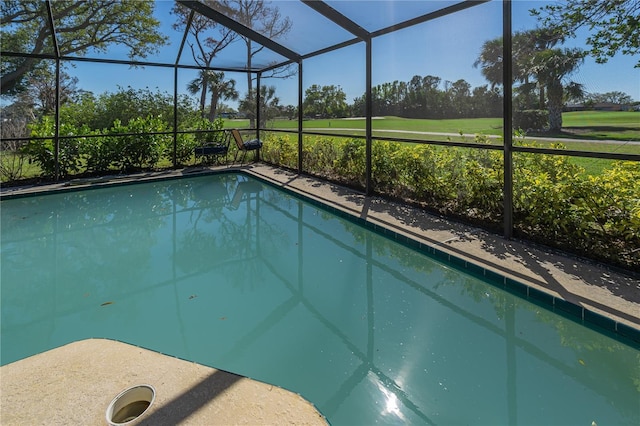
185 145
544 193
139 149
210 131
609 204
385 170
12 161
555 201
417 176
99 152
278 149
136 150
42 151
530 119
319 155
482 183
350 164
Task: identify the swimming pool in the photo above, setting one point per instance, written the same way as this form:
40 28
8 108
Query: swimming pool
230 272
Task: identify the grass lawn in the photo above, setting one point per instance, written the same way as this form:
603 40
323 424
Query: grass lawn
612 125
474 125
590 125
593 125
607 119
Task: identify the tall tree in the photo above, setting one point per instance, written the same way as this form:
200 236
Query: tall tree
525 45
15 119
204 47
528 44
325 101
574 92
486 102
416 99
490 61
269 105
459 98
615 97
41 87
263 18
81 26
551 66
312 105
616 24
535 59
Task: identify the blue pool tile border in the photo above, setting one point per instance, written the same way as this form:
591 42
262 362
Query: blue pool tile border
627 334
541 297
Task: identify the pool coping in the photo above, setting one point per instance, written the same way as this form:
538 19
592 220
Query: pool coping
75 383
592 294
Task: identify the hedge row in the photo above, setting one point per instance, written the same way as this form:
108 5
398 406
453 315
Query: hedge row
555 202
145 143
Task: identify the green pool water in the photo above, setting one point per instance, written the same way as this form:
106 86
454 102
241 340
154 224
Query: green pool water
232 273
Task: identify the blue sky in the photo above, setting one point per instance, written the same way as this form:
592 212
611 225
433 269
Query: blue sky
446 47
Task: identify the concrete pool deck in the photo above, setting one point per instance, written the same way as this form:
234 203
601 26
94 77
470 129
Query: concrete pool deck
75 383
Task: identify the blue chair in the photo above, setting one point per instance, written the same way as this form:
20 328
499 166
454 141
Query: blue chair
215 149
252 145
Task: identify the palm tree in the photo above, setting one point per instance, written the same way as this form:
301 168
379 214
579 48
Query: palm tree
490 61
528 44
200 83
525 45
268 104
219 88
550 67
534 58
205 48
574 92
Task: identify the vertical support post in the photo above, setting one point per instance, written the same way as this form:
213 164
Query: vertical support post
368 114
300 115
175 116
56 137
258 112
175 89
56 134
258 102
507 121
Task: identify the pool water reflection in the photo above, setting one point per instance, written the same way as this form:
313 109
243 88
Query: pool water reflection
229 272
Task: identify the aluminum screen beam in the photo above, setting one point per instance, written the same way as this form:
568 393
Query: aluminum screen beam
236 26
54 39
56 133
429 16
184 36
338 18
316 53
50 56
